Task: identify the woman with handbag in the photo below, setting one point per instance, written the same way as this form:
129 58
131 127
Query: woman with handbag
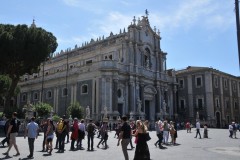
142 136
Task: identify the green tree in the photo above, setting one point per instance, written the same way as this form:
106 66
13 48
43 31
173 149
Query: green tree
5 83
75 110
22 50
55 118
43 109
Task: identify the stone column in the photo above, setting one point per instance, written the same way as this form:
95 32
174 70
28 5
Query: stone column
158 99
174 100
190 96
114 95
222 99
131 97
231 99
142 95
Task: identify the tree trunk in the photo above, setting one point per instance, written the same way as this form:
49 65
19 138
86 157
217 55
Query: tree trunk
10 93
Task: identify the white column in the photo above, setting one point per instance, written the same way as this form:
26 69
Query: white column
190 96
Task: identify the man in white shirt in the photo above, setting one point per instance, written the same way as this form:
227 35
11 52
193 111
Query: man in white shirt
198 126
32 133
81 134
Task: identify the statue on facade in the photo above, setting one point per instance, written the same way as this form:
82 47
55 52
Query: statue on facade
197 116
87 112
164 106
147 63
105 112
139 106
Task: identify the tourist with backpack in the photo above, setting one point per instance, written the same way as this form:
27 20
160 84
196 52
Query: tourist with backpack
12 133
91 132
61 132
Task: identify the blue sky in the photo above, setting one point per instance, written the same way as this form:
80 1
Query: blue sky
194 32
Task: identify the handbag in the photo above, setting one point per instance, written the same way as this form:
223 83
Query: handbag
148 138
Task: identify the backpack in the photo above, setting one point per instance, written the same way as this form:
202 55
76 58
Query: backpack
60 126
90 129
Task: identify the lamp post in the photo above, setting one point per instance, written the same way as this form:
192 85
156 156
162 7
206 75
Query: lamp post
238 27
43 78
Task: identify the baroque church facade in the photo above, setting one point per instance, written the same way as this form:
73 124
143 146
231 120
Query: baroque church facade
123 74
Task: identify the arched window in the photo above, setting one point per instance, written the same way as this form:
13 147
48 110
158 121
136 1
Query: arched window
49 94
119 93
84 89
35 96
147 58
64 92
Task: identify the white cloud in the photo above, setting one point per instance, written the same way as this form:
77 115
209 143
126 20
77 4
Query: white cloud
85 5
208 14
113 22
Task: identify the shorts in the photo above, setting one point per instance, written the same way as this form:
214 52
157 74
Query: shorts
13 137
50 138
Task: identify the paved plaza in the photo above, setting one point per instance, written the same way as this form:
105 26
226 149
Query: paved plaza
217 146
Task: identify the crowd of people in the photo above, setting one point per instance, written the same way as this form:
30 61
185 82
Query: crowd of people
127 132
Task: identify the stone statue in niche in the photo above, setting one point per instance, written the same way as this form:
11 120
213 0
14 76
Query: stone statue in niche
164 106
139 106
87 112
105 112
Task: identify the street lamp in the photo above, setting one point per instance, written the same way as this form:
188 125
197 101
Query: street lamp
43 79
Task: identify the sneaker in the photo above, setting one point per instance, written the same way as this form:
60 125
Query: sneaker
6 153
30 156
17 154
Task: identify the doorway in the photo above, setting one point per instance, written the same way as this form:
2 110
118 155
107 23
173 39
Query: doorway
218 120
120 109
147 109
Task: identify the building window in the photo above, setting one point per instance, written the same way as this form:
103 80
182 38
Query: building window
49 94
234 86
46 73
200 103
225 84
64 92
235 105
147 59
35 96
217 102
216 82
119 93
198 82
25 79
228 119
84 89
182 104
110 57
71 66
181 83
89 62
226 104
24 98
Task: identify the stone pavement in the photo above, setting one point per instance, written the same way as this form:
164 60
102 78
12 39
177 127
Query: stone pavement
217 146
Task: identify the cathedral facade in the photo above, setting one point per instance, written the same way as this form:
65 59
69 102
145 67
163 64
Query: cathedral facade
123 74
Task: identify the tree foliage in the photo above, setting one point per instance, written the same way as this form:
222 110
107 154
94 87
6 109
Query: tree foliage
75 110
43 109
5 83
22 50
